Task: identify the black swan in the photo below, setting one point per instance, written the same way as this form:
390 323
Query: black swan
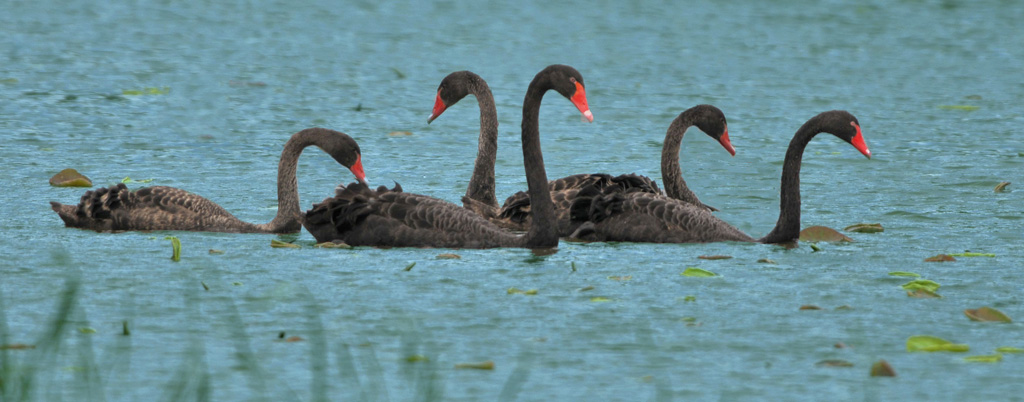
515 214
168 208
641 217
360 216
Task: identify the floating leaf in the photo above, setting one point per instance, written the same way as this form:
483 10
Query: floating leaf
280 244
923 294
986 314
959 107
400 133
331 244
970 254
147 91
822 233
697 273
124 328
398 73
984 358
1001 186
882 368
815 248
485 365
834 363
204 286
585 289
86 330
690 298
810 307
8 80
600 299
903 273
448 256
128 179
766 261
70 178
175 248
925 343
1009 349
865 228
714 257
294 339
214 251
621 278
513 291
572 264
417 358
17 346
409 267
844 307
688 319
925 284
940 258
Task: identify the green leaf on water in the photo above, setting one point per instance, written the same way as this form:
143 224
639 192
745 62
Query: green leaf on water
175 248
815 248
987 314
600 299
984 358
958 107
1009 349
147 91
923 294
331 244
86 330
822 233
409 267
902 273
834 363
417 358
448 256
697 273
925 343
8 80
940 258
1001 186
690 298
925 284
280 244
970 254
70 178
513 291
865 228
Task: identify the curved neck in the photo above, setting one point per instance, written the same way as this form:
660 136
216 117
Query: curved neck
787 228
481 185
543 232
289 215
671 174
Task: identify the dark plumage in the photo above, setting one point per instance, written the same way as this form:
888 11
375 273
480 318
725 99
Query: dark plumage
641 217
360 216
168 208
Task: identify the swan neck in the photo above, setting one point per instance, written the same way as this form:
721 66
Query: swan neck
543 231
787 228
289 215
481 185
671 173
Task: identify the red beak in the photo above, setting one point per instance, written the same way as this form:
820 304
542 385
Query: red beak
724 140
357 170
439 108
858 142
580 100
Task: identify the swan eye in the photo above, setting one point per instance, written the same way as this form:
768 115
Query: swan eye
572 80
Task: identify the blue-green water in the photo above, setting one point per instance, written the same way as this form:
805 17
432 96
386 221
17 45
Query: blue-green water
242 77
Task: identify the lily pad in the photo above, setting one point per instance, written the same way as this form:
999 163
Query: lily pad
940 258
70 178
280 244
984 358
865 228
484 365
925 284
834 363
923 294
903 273
925 343
714 257
986 314
882 368
822 233
970 254
697 273
1001 186
959 107
175 248
1009 349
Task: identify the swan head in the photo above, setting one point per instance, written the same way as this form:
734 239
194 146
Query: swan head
346 151
452 89
844 125
711 121
569 83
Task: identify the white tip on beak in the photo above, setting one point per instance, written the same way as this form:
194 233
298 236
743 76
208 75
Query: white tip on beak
588 116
